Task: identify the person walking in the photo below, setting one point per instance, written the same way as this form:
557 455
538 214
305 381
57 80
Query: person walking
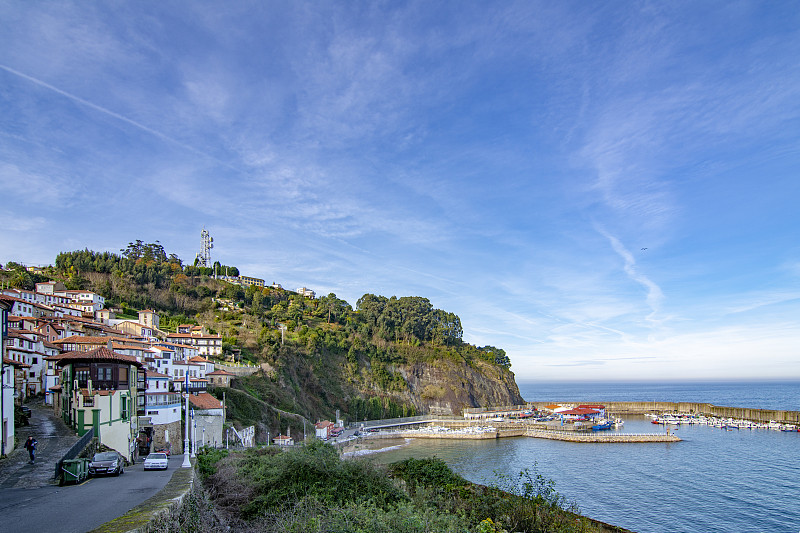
30 445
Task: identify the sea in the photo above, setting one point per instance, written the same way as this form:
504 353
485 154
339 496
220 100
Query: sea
714 480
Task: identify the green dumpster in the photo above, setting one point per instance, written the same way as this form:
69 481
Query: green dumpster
74 470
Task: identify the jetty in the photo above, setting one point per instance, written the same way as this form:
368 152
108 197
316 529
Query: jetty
575 436
459 430
694 408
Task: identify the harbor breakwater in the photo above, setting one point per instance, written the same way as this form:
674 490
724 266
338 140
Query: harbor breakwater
573 436
452 431
642 408
707 409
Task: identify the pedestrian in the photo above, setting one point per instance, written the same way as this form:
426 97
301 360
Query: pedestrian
30 445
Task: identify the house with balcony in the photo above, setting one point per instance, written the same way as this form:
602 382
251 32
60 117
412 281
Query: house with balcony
207 345
31 348
102 390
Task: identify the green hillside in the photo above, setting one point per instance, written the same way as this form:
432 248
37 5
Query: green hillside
386 357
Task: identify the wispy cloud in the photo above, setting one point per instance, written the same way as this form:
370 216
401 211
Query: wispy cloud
112 114
654 296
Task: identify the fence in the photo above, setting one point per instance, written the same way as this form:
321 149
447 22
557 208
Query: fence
76 449
394 421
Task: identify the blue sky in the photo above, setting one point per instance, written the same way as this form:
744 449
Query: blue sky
606 190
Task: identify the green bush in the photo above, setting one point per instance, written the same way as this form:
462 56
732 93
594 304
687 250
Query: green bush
314 471
430 472
207 460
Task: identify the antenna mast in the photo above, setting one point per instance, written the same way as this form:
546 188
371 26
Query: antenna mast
206 244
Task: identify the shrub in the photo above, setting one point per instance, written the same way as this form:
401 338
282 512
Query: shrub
207 460
430 472
313 470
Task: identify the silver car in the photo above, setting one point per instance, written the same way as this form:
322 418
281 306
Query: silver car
156 461
107 463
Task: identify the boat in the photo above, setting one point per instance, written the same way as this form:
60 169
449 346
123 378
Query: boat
605 424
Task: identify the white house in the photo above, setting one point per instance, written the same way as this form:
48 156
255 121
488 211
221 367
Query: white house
208 419
161 424
323 429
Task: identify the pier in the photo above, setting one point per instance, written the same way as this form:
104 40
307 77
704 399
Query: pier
707 409
461 430
597 436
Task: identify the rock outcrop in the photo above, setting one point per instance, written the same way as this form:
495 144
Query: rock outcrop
447 387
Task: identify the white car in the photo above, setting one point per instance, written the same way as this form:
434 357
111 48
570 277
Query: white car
156 461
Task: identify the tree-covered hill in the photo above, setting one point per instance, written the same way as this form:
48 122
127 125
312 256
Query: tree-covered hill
388 356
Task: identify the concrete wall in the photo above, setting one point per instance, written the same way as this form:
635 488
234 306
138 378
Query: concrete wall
213 425
237 370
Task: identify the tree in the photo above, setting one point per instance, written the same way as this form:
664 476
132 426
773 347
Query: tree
21 279
335 308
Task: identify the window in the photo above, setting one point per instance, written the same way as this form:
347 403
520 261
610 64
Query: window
104 373
34 360
124 407
82 375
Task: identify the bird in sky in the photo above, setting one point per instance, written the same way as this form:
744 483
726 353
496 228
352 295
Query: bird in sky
644 248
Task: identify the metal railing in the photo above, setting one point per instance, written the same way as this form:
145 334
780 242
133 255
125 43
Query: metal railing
76 449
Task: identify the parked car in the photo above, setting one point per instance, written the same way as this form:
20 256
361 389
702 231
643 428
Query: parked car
163 450
107 463
26 410
156 461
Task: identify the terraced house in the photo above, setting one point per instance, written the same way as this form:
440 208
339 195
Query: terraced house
104 391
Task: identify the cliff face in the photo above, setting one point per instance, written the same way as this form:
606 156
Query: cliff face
447 387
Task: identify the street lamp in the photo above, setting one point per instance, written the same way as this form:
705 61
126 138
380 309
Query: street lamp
194 435
186 462
5 307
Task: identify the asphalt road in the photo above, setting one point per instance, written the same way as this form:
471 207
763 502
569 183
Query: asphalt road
81 508
30 500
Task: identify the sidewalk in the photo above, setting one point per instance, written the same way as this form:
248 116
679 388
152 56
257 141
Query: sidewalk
55 439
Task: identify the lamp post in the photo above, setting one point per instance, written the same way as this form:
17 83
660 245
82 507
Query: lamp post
186 462
194 435
4 308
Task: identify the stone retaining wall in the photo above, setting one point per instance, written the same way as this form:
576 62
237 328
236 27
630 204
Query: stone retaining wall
237 371
600 437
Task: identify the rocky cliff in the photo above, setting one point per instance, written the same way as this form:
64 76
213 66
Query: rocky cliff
446 387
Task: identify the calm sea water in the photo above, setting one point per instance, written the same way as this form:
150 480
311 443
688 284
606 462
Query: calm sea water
712 481
782 395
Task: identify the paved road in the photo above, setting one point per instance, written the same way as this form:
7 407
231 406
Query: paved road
55 439
81 508
31 501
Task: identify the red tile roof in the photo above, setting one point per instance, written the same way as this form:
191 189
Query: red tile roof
100 355
8 361
205 401
220 372
580 411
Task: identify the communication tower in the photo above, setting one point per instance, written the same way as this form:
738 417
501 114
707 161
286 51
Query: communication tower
206 244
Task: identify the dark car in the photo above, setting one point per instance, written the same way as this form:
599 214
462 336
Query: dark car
107 463
26 410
